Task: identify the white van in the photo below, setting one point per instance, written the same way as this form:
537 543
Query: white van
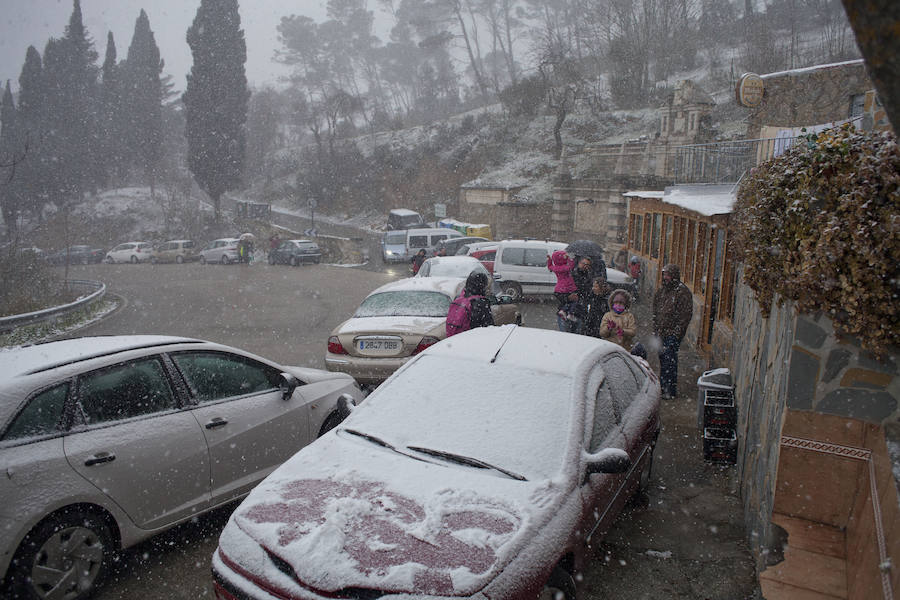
520 267
416 239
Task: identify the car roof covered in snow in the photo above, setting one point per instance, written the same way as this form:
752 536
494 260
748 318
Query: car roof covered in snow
449 286
41 357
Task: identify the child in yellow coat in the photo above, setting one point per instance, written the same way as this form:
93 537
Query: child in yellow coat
618 325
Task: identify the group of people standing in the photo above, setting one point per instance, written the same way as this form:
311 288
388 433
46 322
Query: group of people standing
588 305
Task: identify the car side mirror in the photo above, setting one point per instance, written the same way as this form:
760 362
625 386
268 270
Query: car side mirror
287 385
609 460
504 299
345 405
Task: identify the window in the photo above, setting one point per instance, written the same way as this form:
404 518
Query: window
125 391
188 245
688 275
857 105
535 257
488 256
285 246
654 241
418 241
41 415
635 232
216 375
621 383
700 265
693 121
437 238
408 303
667 240
513 256
604 418
646 247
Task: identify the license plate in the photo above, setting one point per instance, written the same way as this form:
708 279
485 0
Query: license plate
378 345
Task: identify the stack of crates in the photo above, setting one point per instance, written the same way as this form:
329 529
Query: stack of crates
717 416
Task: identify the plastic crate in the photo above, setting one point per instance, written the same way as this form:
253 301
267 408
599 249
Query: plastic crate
720 445
719 409
715 379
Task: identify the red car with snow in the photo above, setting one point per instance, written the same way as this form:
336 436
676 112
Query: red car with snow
480 469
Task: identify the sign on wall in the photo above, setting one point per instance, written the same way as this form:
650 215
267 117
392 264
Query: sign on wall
749 90
440 211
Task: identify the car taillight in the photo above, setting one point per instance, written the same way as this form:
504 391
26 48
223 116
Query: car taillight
425 343
335 346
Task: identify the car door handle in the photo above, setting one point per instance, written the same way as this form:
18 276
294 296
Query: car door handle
102 457
217 422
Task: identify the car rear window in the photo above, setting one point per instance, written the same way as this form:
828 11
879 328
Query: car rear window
404 303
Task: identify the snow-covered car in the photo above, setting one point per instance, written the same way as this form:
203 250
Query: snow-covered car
224 250
133 252
482 469
76 255
451 266
105 441
295 252
397 321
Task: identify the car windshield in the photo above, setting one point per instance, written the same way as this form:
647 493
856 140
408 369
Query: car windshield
509 418
398 237
404 303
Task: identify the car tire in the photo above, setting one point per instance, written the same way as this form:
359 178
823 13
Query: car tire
512 289
134 259
179 259
225 260
202 260
560 585
333 420
57 547
294 261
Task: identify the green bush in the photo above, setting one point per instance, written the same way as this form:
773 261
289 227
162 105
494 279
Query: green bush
819 225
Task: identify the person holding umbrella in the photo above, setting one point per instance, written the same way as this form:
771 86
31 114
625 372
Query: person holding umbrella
591 249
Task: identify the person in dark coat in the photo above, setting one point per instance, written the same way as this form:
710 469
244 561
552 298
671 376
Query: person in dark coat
477 285
583 275
598 305
673 307
416 261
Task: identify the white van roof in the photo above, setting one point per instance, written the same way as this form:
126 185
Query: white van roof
431 230
402 212
533 243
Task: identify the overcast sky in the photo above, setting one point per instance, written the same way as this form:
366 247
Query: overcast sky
26 23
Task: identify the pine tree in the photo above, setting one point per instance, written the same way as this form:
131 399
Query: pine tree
216 98
30 119
143 99
10 156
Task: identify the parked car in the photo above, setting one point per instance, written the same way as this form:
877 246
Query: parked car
224 250
393 247
453 245
295 252
404 218
133 252
77 255
397 321
482 469
520 267
177 251
106 441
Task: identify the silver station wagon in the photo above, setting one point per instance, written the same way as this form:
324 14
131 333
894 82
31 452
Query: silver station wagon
105 441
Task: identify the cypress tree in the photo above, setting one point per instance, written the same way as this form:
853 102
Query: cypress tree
72 138
143 99
30 119
215 100
10 155
112 129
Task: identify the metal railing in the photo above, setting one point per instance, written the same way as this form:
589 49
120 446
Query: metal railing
724 162
11 322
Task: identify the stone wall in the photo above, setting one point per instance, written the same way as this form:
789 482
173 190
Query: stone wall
808 96
797 363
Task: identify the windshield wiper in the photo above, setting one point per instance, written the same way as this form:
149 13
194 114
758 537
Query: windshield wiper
465 460
371 438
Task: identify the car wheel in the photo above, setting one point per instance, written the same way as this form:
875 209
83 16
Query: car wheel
560 586
513 289
179 259
109 260
518 318
225 260
134 260
294 261
333 420
202 260
63 557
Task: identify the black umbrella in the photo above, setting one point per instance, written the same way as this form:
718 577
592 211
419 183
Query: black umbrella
591 249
